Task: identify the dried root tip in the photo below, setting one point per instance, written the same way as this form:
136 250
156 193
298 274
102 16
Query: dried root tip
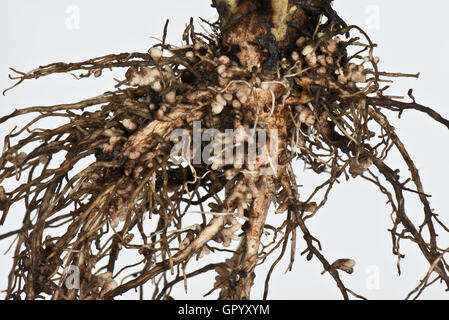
97 73
187 240
190 55
222 81
283 207
284 195
322 60
203 251
346 265
220 99
231 173
129 124
156 86
359 166
17 160
311 60
133 155
128 238
198 45
3 199
310 207
236 104
109 286
306 116
137 171
295 56
221 69
308 50
219 103
301 42
332 46
217 108
112 132
228 97
217 163
226 235
143 77
170 97
43 158
224 60
242 96
2 194
321 71
155 53
104 277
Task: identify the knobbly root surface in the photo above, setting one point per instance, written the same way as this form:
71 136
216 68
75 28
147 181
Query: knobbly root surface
317 84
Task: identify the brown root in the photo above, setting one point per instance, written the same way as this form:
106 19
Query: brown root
324 101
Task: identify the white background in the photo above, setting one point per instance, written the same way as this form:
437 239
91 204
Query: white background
412 37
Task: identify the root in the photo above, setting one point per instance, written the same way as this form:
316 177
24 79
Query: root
126 171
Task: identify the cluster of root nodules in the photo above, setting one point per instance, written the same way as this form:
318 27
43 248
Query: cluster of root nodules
134 201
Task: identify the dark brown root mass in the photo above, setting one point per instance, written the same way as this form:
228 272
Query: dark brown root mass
316 83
